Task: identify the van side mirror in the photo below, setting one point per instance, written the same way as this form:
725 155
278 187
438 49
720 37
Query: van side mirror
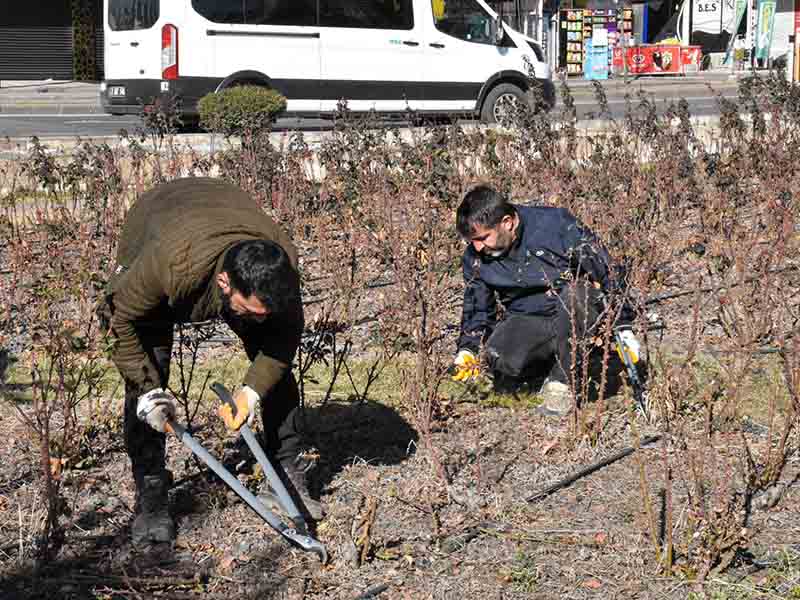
499 32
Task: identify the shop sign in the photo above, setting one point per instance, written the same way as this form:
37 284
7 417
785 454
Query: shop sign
741 9
766 21
654 59
657 59
707 15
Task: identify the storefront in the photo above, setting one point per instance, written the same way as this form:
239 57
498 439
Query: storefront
763 29
673 37
58 39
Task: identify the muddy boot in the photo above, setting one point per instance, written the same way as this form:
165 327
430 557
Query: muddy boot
557 399
153 523
297 486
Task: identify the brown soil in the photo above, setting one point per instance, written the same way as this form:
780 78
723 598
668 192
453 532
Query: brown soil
446 519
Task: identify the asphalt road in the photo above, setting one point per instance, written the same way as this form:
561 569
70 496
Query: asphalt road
702 100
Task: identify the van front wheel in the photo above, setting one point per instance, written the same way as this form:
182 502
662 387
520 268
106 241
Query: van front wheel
500 103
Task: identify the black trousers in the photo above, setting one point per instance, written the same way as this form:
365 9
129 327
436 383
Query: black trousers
147 447
520 342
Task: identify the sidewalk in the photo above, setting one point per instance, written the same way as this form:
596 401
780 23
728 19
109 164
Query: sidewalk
49 97
73 97
716 79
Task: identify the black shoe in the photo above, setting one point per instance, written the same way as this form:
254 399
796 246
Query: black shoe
507 385
153 523
296 484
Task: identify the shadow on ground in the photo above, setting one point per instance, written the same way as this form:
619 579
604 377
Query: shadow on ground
353 433
87 574
341 433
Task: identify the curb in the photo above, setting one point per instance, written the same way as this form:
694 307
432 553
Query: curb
48 108
206 142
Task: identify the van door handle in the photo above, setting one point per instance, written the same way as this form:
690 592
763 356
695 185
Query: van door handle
134 44
436 45
410 43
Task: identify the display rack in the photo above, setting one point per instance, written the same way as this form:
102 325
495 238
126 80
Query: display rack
577 27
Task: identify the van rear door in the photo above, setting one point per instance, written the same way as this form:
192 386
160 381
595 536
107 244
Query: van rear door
132 40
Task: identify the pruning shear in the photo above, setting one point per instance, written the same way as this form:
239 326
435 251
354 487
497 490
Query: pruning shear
639 391
297 533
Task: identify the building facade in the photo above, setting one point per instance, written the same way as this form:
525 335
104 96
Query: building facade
58 39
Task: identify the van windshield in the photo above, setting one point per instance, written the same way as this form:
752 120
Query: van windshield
129 15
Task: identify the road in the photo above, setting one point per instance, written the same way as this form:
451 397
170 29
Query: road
702 100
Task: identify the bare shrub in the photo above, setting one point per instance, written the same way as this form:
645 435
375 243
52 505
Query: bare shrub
706 226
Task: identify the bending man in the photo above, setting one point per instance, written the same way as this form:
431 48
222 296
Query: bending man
193 250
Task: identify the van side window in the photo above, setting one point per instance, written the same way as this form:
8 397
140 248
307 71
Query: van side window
129 15
258 12
463 19
281 12
220 11
367 14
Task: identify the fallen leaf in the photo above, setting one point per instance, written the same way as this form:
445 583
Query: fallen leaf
56 466
593 584
549 446
226 563
600 538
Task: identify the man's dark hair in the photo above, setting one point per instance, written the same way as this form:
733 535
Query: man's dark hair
482 206
262 268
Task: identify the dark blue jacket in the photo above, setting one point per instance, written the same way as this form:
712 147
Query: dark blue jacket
551 247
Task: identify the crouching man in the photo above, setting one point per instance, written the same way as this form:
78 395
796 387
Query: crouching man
550 274
193 250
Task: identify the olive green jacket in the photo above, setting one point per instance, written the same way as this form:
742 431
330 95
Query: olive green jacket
171 249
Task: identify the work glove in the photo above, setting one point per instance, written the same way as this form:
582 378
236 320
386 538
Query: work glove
467 366
245 400
632 346
155 408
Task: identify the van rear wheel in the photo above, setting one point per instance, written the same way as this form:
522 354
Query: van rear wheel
501 103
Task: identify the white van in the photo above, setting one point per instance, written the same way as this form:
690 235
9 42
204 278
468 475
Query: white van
431 56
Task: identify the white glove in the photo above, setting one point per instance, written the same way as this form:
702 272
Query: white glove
465 358
467 366
632 345
245 401
155 408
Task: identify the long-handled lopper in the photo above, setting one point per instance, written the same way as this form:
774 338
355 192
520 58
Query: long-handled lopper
298 533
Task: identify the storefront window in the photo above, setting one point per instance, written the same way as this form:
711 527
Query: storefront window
511 11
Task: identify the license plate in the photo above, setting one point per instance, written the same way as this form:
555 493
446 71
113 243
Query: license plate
116 91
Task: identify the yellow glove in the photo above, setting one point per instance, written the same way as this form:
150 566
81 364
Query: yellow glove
632 346
245 400
467 366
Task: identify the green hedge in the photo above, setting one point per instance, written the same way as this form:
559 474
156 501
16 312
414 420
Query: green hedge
240 109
